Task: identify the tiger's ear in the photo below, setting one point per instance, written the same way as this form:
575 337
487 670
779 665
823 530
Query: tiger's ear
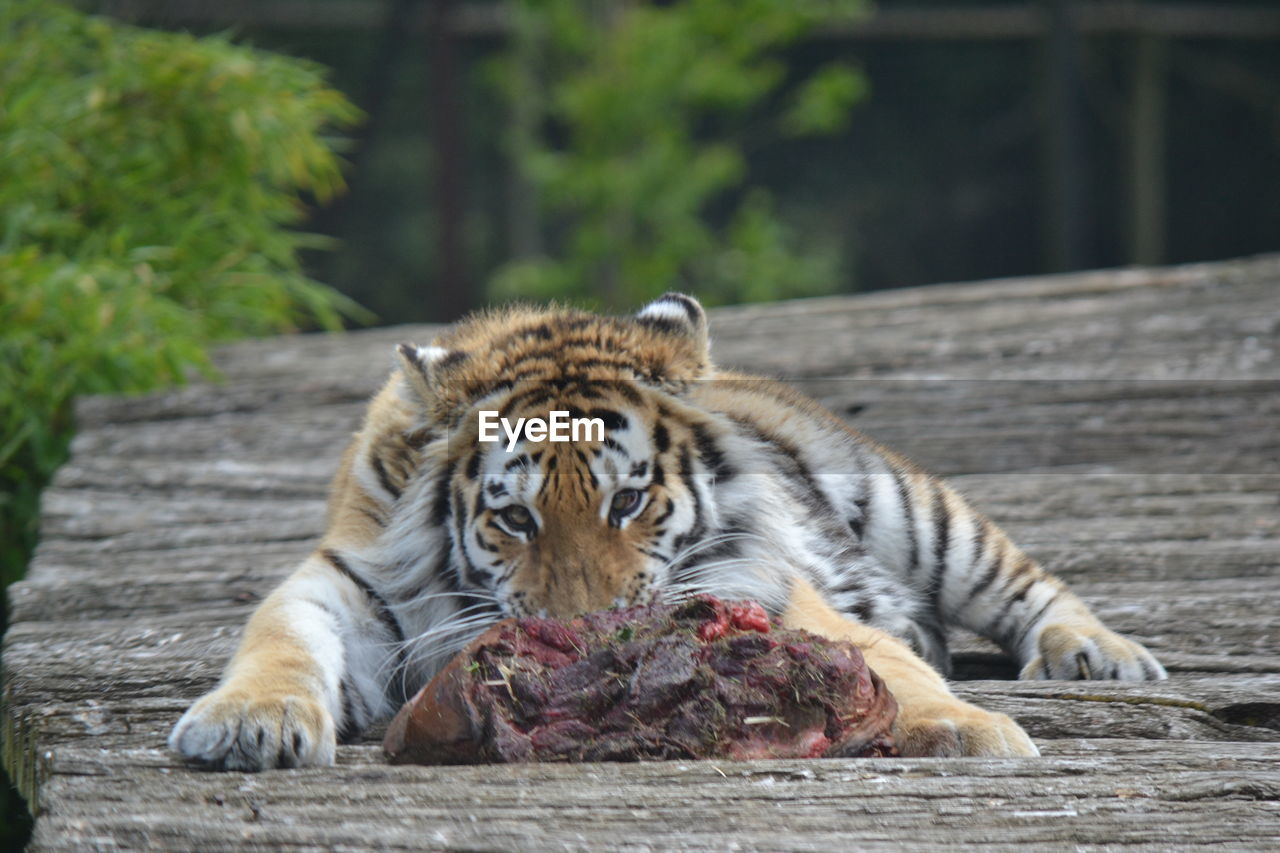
421 367
677 314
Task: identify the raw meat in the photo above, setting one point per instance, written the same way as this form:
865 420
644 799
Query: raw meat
699 679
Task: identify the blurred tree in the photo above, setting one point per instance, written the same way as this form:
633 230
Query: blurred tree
630 132
147 182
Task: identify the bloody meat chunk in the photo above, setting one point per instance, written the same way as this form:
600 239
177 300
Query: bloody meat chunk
699 679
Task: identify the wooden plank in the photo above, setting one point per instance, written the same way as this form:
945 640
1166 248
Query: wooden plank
1119 424
1230 707
1086 794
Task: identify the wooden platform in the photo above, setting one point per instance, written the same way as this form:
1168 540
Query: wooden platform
1124 426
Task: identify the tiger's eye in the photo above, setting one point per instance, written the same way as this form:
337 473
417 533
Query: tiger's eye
625 501
517 517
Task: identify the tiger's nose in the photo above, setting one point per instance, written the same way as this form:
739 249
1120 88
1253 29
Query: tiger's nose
579 588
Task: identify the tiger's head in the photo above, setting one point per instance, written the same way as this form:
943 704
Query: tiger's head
608 516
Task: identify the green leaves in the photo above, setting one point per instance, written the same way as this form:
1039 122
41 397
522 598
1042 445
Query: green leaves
147 180
822 103
649 106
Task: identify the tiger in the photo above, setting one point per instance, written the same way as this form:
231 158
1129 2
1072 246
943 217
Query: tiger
702 481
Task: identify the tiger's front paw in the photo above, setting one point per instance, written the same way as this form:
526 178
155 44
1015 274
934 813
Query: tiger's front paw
1090 652
952 728
234 729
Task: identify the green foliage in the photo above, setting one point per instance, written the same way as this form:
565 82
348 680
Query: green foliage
648 106
147 182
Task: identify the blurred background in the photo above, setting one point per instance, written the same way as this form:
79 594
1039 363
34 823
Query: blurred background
979 139
178 173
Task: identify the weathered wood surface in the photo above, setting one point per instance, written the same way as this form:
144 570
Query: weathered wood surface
1123 425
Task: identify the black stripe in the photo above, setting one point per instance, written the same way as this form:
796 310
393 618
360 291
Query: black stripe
690 307
460 529
529 375
473 574
666 513
661 438
502 579
446 570
941 539
908 512
538 396
383 477
685 462
491 388
440 505
527 397
348 731
594 388
848 583
993 570
451 358
374 517
419 438
577 368
379 604
558 349
613 421
624 389
979 541
791 465
1031 623
353 722
585 465
567 355
710 453
859 524
576 322
484 545
664 324
1020 567
863 608
1021 594
699 525
473 466
1005 609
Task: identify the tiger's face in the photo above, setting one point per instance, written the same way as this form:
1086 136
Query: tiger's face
567 527
602 519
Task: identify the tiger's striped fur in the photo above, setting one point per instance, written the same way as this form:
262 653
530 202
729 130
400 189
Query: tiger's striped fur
705 481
